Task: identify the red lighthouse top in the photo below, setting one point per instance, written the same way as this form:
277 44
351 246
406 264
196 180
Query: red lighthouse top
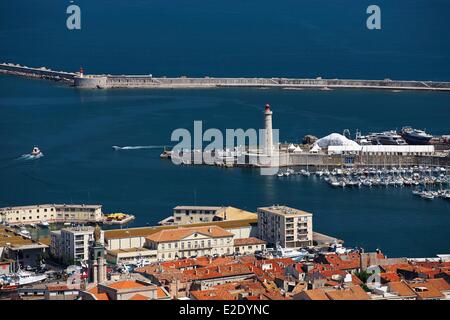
267 107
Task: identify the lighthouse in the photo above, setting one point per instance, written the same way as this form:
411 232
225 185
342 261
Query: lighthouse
268 130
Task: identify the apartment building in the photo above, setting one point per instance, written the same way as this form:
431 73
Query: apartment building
289 227
194 214
249 245
51 213
190 241
72 244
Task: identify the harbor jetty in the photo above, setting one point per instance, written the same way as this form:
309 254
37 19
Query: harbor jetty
106 81
330 152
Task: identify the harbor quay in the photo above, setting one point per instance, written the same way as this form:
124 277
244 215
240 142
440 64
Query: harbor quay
379 157
380 150
106 81
214 253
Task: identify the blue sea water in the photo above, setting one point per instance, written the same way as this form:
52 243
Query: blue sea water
76 129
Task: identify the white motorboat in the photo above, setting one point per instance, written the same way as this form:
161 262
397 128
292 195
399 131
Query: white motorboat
25 233
334 183
36 152
25 277
20 278
44 224
427 195
280 252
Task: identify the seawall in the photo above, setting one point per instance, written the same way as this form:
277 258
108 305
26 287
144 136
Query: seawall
148 81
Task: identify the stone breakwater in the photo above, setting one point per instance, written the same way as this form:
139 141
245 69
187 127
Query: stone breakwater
81 80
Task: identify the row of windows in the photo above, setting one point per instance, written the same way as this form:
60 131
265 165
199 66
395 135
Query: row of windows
194 244
57 209
187 212
173 255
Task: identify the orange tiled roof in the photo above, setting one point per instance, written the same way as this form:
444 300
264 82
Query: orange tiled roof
390 276
160 293
248 241
425 290
316 294
344 261
139 297
352 293
401 289
439 284
212 294
97 295
57 287
126 284
168 235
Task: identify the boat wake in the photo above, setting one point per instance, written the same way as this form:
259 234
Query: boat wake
27 157
136 147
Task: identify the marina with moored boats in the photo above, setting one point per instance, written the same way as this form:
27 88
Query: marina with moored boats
428 183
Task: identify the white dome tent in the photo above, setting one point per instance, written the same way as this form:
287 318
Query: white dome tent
335 139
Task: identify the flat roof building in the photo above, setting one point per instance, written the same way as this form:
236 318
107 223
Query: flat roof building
289 227
199 214
19 249
72 244
51 213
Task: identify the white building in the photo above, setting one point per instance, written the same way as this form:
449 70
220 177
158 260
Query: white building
194 214
124 239
411 150
199 214
72 244
249 245
51 213
191 241
289 227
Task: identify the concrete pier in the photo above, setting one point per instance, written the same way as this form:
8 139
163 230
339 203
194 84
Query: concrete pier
81 80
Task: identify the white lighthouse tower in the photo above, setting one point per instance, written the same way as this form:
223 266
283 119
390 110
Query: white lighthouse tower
268 131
